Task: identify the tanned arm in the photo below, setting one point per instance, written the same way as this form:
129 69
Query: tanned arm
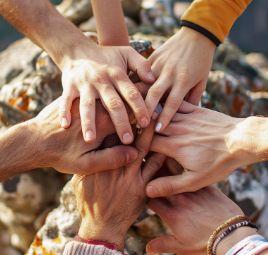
18 150
88 71
110 22
40 21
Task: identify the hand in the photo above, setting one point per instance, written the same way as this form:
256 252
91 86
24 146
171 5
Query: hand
192 218
101 72
181 65
111 201
66 151
209 144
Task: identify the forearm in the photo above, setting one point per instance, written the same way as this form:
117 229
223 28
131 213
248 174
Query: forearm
18 150
40 21
110 21
248 141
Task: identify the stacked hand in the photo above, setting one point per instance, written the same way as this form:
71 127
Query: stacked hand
93 72
181 66
209 145
111 201
192 218
66 150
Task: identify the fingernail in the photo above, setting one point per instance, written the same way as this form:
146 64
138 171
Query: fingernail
150 191
64 122
89 136
151 76
158 127
127 138
144 122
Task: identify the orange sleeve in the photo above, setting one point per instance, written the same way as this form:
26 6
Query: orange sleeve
215 16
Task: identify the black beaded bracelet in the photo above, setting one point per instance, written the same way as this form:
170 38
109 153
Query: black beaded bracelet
229 230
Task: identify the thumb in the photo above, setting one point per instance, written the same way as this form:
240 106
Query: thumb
109 159
142 66
162 244
172 185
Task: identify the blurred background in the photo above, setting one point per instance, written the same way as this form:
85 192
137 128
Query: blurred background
249 33
38 209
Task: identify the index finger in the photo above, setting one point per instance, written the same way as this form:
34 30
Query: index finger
171 106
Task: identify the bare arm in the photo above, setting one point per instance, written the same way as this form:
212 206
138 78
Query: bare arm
18 150
40 21
88 71
41 142
110 22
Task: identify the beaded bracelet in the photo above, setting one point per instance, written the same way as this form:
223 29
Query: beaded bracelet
229 230
226 224
251 245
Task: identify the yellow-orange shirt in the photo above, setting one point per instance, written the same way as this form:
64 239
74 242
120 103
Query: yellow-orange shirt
214 17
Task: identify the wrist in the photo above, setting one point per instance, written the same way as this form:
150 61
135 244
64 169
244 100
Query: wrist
198 37
78 49
102 232
247 140
231 240
59 37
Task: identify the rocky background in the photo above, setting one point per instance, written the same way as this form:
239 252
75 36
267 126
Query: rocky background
37 209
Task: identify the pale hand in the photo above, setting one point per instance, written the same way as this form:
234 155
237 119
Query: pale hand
181 66
209 145
93 72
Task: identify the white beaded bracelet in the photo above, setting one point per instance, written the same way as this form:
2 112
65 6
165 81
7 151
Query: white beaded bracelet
251 245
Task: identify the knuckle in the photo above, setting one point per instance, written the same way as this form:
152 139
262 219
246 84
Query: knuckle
143 150
146 64
170 71
173 103
115 104
88 103
116 73
133 94
183 78
155 91
99 78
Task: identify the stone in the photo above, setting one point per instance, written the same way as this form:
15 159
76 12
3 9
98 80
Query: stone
90 25
79 11
76 11
13 68
33 202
